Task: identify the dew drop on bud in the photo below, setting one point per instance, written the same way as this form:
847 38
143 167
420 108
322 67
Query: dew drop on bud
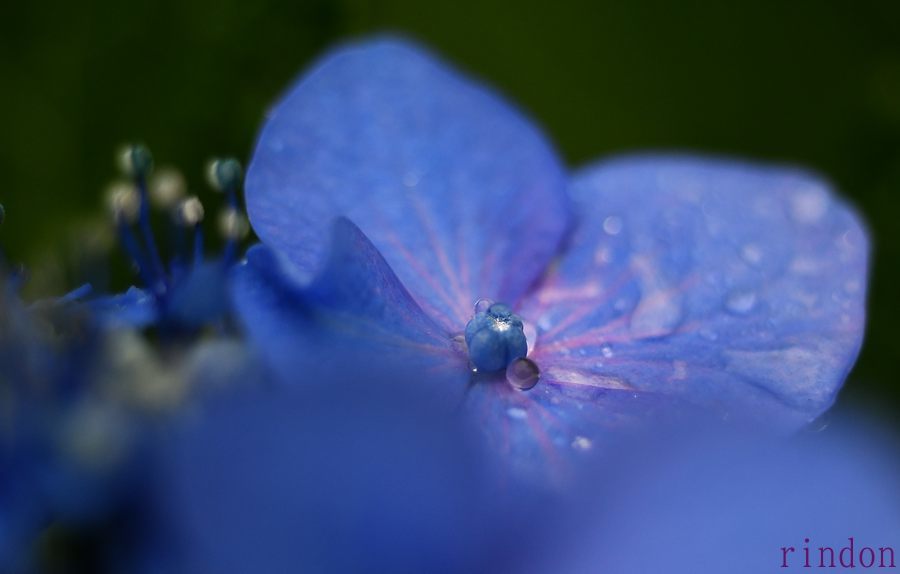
523 373
482 305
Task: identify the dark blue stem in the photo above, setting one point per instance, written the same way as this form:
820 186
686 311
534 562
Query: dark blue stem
130 244
147 232
198 245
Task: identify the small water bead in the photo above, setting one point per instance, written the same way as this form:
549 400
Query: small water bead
411 179
751 253
517 413
523 374
612 225
606 350
809 206
482 305
709 334
582 443
741 302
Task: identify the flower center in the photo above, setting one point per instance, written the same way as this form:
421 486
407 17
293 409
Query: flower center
495 337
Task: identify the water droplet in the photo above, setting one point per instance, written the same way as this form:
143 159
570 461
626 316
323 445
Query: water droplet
411 179
846 240
741 302
606 350
751 253
483 304
582 443
810 205
517 413
659 310
523 374
530 335
658 313
709 334
612 225
603 255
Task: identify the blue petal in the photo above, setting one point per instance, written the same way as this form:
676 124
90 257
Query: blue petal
729 285
134 308
720 503
322 480
457 190
355 315
199 297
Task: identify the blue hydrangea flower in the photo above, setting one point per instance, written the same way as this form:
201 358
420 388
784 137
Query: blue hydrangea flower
81 400
391 193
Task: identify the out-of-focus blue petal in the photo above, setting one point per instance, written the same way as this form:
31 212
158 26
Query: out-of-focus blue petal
550 434
720 503
199 297
455 188
134 308
729 285
354 316
324 479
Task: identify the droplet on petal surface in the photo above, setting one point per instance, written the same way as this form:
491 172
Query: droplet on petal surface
612 225
741 302
482 305
523 374
582 443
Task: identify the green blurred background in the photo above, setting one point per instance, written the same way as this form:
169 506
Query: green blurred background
804 81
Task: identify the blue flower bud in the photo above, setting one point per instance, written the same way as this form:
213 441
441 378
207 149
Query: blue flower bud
224 174
495 338
136 161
